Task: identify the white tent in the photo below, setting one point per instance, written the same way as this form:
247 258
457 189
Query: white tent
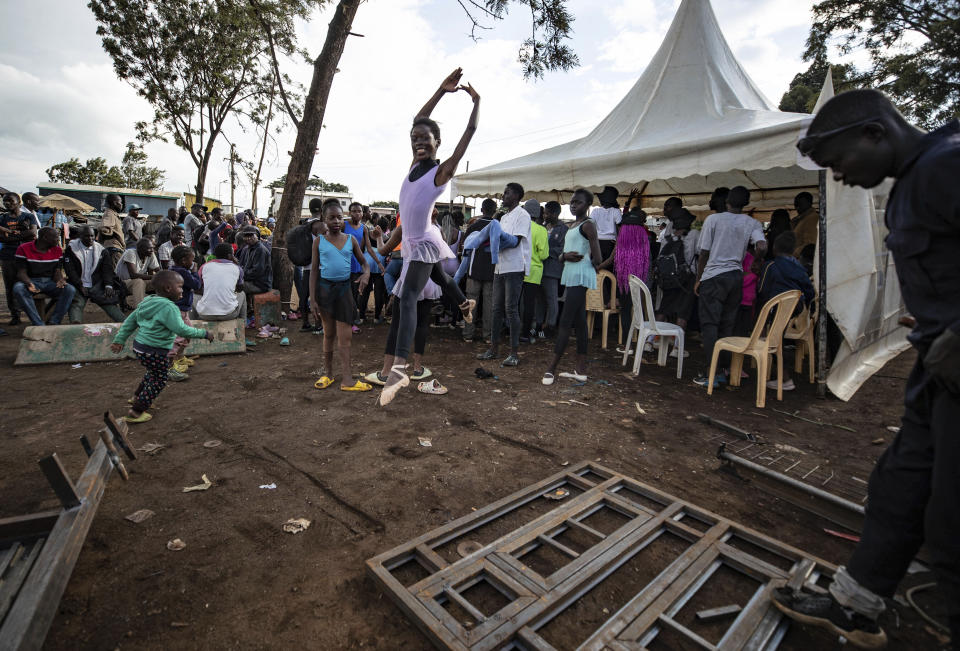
692 122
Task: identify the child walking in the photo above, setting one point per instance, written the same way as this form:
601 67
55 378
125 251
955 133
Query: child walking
158 322
330 285
581 256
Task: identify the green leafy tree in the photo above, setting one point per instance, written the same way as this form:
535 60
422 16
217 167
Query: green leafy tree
198 62
914 48
545 50
806 86
133 171
313 183
385 204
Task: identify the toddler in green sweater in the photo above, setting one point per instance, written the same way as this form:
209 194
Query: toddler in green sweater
157 321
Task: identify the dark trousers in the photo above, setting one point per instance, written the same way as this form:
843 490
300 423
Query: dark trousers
301 280
625 299
720 298
506 304
379 289
419 335
532 292
574 315
9 278
548 306
413 283
913 498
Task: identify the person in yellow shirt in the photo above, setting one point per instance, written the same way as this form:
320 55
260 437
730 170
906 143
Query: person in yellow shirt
532 289
262 227
806 225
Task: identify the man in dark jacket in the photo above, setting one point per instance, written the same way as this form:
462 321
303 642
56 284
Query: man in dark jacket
914 487
254 259
89 269
552 269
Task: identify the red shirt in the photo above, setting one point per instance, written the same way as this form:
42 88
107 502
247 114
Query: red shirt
39 264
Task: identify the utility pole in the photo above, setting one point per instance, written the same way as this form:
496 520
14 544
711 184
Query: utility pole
233 178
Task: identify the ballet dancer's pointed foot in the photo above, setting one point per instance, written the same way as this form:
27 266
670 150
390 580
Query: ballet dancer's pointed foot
467 309
395 381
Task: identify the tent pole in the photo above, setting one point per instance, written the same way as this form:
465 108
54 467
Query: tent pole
822 290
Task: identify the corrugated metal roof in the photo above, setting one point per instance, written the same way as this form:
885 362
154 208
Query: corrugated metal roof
130 192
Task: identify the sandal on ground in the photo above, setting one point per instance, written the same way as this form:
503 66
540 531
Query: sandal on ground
323 382
142 418
432 387
375 378
250 343
285 341
467 309
357 386
423 374
390 391
574 376
547 379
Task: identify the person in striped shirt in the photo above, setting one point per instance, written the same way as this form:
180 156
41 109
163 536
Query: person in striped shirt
39 272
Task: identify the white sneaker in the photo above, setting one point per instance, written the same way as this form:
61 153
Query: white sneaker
787 386
648 347
673 353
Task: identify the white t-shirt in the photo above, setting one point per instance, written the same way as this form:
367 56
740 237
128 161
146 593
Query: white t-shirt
190 223
606 220
726 236
143 266
164 251
219 279
516 222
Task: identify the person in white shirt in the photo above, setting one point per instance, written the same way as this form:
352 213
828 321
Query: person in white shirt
723 242
177 236
89 269
222 281
512 266
190 223
607 216
136 268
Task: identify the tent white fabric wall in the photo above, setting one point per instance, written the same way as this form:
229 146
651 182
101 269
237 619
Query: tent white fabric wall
694 120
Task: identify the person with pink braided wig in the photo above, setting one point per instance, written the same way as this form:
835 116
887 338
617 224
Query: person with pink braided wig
631 257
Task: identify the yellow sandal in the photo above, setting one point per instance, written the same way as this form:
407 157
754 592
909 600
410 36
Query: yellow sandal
323 382
359 386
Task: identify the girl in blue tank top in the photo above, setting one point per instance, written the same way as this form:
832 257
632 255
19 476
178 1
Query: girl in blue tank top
581 257
330 287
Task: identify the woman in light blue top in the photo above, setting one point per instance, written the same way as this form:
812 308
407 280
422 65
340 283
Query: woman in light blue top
581 256
331 296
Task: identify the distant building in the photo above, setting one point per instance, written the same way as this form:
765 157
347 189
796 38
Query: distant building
345 199
448 206
152 202
383 211
190 199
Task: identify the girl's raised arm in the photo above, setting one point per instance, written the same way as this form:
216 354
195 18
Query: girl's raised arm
449 167
449 85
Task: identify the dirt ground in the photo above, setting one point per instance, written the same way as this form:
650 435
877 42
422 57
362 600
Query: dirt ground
357 472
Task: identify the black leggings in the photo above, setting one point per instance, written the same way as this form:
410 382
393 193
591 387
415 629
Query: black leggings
413 283
420 335
574 315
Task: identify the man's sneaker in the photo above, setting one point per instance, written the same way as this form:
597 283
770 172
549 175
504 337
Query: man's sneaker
318 329
512 360
306 327
489 354
704 380
673 353
787 386
526 340
824 612
15 320
541 335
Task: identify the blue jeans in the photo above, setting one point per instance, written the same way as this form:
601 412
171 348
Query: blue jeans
491 235
301 280
392 273
46 286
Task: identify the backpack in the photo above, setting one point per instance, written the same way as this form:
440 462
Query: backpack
672 273
300 245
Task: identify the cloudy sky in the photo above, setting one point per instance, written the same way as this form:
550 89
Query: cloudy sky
63 100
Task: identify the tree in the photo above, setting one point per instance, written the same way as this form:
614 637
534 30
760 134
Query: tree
914 48
551 25
133 171
313 183
806 86
385 204
197 62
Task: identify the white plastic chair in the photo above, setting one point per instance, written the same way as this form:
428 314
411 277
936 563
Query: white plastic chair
643 303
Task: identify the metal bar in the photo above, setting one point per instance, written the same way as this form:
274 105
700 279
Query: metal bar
810 498
822 283
746 436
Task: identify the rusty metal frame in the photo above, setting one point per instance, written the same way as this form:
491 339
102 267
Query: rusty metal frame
38 551
534 600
